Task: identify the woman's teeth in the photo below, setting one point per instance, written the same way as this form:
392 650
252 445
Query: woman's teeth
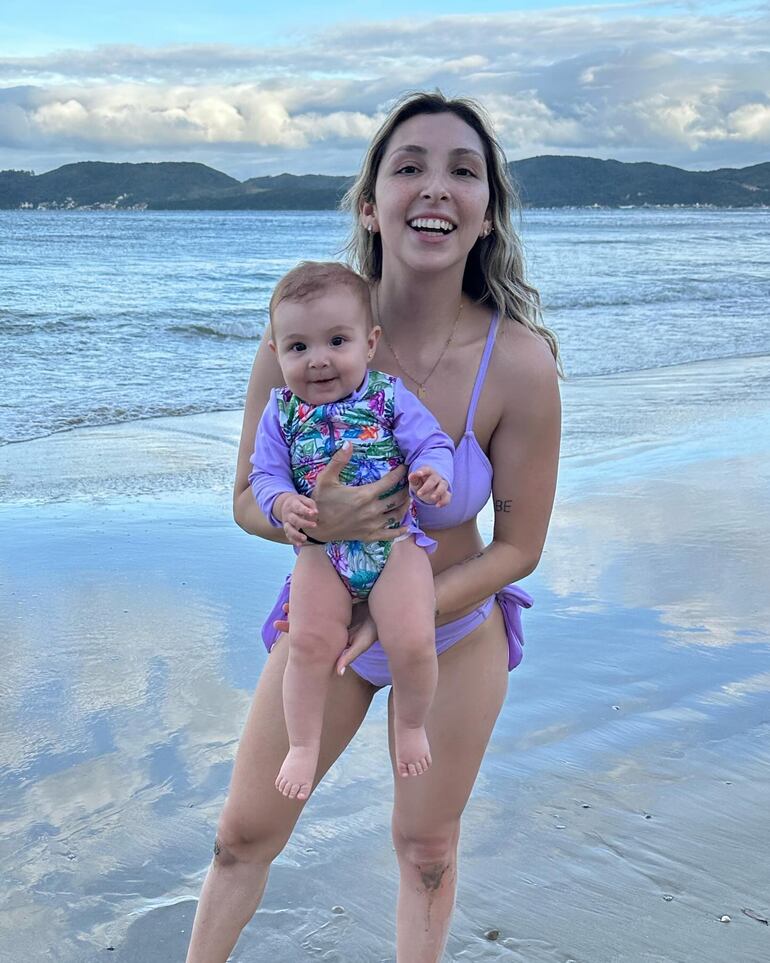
432 224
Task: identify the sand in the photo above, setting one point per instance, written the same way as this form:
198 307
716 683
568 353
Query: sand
621 811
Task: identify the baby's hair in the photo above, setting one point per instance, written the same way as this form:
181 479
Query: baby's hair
311 279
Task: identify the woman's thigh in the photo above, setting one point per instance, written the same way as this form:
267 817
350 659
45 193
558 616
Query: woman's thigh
255 811
472 682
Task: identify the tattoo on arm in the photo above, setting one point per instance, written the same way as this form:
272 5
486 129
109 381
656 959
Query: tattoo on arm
503 504
470 558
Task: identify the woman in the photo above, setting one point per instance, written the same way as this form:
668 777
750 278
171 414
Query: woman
434 237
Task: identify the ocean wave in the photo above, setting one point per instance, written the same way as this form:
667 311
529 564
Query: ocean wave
103 417
638 300
25 323
239 330
753 362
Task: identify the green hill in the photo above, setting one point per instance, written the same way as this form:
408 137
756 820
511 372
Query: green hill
546 181
558 181
122 185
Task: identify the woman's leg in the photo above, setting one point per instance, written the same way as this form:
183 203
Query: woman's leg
320 608
472 682
256 821
402 604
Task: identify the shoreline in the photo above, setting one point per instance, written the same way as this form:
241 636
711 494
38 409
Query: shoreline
620 810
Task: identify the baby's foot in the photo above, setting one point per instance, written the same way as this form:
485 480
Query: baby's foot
295 780
412 750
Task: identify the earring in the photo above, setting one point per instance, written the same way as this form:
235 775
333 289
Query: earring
369 227
487 230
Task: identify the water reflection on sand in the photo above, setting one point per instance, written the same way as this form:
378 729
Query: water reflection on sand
630 763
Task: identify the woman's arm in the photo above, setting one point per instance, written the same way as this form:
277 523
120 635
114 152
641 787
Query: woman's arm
265 375
524 452
343 511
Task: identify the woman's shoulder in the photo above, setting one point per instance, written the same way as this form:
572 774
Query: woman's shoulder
522 357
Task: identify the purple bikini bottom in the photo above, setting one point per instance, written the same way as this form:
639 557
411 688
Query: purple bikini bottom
373 664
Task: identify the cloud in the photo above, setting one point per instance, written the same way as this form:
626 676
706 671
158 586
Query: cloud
609 81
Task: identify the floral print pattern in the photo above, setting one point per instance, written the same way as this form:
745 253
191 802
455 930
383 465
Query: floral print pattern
313 433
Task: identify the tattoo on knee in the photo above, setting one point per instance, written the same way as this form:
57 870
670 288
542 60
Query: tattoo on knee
222 854
432 876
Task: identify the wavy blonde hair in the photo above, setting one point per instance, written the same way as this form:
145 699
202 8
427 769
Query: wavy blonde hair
494 272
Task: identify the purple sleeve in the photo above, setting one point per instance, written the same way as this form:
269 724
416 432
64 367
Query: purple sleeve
271 472
419 435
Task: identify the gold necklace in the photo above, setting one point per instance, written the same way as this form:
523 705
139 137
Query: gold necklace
421 385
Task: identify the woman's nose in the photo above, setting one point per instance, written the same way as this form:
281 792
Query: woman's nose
435 187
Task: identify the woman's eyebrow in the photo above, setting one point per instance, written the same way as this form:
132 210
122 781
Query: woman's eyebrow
411 149
455 152
466 150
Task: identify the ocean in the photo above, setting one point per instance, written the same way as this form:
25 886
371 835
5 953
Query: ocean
620 811
114 316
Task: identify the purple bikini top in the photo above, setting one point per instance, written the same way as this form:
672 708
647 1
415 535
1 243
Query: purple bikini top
472 483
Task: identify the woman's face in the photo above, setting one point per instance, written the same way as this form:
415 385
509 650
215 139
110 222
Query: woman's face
431 193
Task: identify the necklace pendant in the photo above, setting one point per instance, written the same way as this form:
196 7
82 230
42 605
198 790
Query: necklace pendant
420 391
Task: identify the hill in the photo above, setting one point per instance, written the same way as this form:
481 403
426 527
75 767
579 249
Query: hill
546 181
97 183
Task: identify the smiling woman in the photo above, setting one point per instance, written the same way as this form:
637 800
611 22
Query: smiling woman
433 238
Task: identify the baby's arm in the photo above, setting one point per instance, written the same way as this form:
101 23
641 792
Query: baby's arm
427 450
296 512
428 486
272 482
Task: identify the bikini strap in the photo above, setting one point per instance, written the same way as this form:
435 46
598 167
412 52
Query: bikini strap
482 372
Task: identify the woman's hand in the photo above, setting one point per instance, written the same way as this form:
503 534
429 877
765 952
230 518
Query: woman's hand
358 512
361 635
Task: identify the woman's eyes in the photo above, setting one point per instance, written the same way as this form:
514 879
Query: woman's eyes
413 169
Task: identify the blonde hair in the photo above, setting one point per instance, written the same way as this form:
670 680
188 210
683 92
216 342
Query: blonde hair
494 271
311 279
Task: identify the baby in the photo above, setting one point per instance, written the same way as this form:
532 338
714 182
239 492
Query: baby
323 336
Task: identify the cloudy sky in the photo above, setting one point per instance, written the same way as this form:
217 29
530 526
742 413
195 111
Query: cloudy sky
300 87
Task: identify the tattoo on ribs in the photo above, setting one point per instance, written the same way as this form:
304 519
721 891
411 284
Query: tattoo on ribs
503 504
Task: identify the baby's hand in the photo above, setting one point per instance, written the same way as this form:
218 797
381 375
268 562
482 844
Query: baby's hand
427 485
295 512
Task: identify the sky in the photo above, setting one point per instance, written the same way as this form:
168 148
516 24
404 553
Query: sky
254 90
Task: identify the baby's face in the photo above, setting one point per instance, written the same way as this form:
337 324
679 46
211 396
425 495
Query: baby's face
323 345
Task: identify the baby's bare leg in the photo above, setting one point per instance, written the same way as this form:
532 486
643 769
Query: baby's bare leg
319 616
402 604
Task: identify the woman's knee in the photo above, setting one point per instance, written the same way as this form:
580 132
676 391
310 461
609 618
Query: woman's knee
431 846
241 839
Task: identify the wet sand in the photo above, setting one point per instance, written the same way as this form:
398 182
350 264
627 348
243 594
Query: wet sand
621 808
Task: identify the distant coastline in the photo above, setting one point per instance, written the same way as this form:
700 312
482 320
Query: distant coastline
544 181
